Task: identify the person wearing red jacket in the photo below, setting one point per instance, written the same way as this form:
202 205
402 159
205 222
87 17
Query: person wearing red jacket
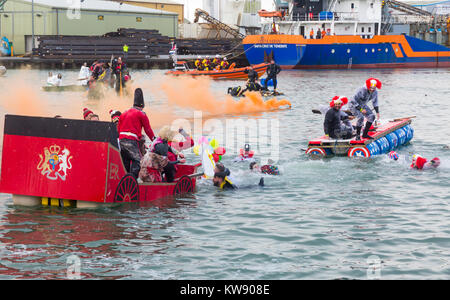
130 127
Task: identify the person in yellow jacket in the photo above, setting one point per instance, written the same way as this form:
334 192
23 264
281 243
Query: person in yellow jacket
224 64
198 63
206 64
216 62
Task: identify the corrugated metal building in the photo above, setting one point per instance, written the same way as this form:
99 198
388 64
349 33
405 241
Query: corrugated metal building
92 17
165 5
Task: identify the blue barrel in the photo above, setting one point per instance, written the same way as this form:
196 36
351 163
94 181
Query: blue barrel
383 144
401 134
393 141
409 133
269 83
373 148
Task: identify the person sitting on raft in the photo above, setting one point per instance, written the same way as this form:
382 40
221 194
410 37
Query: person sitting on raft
421 163
359 106
161 147
54 80
130 127
245 154
221 178
336 124
268 169
252 85
87 114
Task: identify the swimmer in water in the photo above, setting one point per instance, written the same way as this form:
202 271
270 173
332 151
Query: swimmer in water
421 163
265 169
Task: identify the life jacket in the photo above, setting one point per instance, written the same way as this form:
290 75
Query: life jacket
227 182
224 64
235 91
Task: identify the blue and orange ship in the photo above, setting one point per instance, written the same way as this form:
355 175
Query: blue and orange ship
346 52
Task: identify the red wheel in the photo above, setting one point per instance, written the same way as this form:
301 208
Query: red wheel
359 152
127 190
184 185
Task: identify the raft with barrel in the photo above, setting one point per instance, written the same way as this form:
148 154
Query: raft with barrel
65 162
231 73
386 138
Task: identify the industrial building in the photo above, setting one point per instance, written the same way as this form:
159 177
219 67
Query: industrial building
165 5
93 17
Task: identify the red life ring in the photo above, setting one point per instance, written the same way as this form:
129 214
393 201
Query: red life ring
359 152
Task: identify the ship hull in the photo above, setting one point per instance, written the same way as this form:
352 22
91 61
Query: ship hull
346 52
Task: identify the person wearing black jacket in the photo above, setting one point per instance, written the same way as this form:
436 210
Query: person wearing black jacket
333 126
252 85
272 71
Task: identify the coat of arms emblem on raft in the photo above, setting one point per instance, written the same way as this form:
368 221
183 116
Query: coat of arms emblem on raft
55 162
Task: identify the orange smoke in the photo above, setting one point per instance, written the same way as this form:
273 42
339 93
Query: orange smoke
195 93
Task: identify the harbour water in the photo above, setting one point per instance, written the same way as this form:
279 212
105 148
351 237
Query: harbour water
321 219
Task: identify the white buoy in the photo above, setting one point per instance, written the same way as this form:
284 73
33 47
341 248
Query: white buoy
2 70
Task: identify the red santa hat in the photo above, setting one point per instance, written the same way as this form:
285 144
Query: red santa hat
343 100
418 162
87 112
373 82
115 115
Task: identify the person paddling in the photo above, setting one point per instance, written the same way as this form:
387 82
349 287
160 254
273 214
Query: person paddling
131 123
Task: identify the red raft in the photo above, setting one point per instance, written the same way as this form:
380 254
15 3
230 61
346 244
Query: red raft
386 138
62 162
232 73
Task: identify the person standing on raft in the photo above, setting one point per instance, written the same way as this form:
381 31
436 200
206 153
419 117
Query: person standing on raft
333 124
359 106
272 71
130 127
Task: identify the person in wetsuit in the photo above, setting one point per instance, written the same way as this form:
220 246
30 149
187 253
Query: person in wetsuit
272 71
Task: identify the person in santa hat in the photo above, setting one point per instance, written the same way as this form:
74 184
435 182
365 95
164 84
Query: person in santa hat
421 163
87 114
359 106
337 123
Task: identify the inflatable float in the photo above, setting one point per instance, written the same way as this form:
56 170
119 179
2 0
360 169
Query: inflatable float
2 70
386 138
65 162
231 73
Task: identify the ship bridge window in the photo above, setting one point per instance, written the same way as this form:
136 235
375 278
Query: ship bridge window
371 5
352 5
369 29
362 29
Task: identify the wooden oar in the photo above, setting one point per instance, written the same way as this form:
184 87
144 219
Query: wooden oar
196 175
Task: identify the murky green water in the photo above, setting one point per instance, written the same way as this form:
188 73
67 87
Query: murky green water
322 219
